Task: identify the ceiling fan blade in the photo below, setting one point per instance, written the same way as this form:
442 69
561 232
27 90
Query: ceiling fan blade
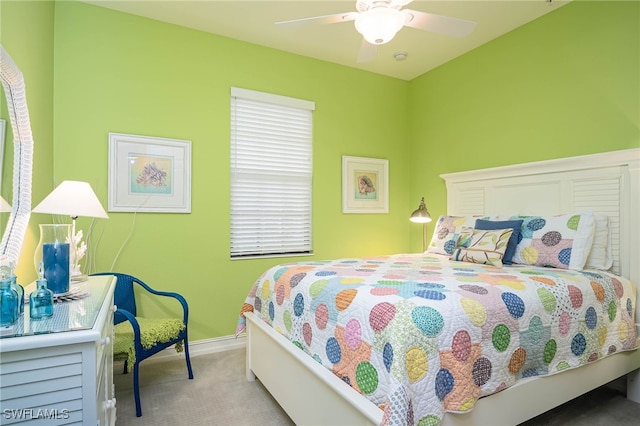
438 23
325 19
368 51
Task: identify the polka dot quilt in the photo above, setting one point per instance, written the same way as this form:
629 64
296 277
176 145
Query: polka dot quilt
420 335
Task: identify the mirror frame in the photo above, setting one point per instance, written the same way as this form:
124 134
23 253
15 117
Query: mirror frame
15 94
3 125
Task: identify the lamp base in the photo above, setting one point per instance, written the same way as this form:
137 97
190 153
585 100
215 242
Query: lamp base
79 278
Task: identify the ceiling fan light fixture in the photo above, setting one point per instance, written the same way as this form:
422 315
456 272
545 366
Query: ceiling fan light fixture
380 24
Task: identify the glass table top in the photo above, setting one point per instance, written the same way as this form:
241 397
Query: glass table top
68 315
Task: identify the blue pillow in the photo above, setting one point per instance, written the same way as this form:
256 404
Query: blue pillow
516 225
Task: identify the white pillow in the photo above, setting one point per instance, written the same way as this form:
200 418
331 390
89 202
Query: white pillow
600 256
562 241
447 231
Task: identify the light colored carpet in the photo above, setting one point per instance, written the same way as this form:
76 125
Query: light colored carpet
219 394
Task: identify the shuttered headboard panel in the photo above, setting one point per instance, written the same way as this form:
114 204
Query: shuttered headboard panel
606 183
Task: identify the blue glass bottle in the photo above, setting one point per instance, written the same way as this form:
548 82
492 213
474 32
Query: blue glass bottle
41 301
20 290
9 309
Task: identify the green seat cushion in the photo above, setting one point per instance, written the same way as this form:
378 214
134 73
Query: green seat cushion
152 331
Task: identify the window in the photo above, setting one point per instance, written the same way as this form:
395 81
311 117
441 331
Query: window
271 169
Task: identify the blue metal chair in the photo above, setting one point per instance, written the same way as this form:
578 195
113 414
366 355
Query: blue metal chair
126 311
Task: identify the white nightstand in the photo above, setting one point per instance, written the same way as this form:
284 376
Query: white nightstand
61 368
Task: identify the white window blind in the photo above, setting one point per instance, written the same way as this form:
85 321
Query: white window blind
271 170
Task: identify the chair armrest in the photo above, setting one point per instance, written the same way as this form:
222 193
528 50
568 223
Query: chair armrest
136 328
179 297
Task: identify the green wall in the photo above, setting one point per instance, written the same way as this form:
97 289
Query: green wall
26 30
565 84
116 72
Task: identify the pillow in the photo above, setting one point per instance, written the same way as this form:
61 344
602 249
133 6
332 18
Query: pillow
600 256
482 246
562 241
516 225
447 231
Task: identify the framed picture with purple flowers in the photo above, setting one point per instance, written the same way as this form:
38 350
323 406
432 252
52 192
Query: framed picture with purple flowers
149 174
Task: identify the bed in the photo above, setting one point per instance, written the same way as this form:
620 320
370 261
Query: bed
423 339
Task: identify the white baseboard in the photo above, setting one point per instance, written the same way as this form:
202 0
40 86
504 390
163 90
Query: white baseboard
218 344
201 347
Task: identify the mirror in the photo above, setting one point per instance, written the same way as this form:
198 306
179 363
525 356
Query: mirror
14 90
3 125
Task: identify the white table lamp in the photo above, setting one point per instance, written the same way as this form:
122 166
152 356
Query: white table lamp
4 206
73 198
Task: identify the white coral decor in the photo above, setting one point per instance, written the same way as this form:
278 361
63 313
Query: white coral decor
79 248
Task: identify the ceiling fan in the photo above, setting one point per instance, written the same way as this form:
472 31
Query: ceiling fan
378 21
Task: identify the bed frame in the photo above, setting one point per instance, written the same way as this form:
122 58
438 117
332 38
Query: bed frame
604 183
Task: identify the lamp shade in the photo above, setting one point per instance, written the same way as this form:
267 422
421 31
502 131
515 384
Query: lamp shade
421 215
4 206
72 198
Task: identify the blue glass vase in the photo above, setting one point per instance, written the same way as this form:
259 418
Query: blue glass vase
53 251
41 301
9 309
20 290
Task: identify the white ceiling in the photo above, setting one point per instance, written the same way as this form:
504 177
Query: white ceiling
254 22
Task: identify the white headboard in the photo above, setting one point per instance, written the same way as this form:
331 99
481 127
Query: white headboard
607 183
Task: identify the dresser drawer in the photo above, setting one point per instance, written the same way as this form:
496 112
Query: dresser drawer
104 346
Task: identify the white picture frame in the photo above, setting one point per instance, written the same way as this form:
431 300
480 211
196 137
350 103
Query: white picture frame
149 174
365 185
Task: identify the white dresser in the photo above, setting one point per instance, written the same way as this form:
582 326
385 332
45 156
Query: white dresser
60 370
